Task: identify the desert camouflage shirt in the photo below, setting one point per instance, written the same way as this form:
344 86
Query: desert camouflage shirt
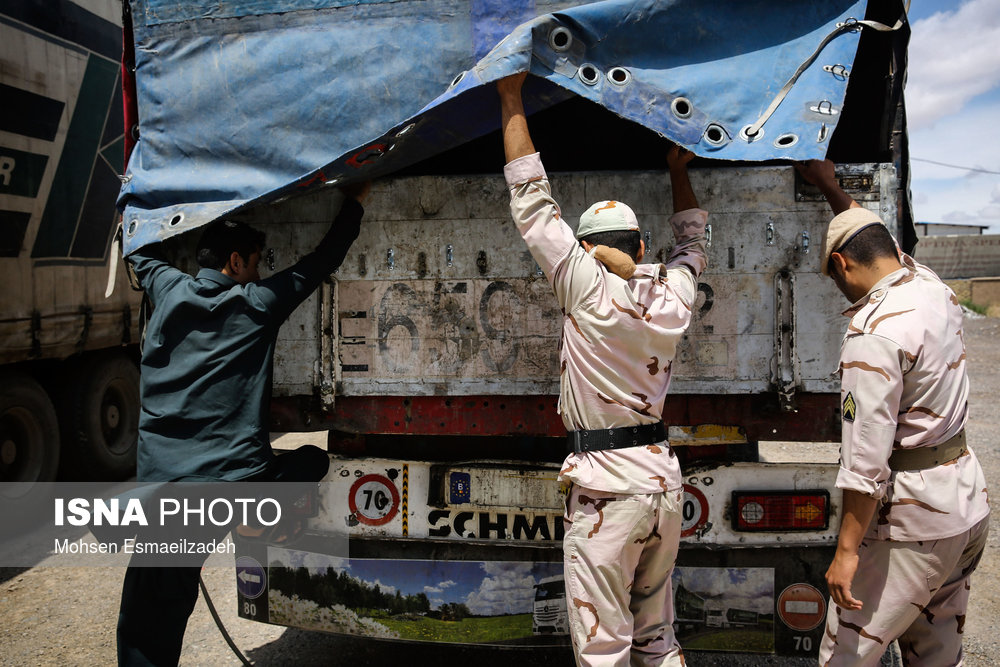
618 337
904 385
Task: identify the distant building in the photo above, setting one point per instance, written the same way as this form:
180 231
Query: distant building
947 229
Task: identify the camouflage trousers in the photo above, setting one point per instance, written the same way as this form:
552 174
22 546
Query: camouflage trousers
618 554
916 592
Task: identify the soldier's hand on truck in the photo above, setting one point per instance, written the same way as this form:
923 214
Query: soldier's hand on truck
817 172
357 191
678 157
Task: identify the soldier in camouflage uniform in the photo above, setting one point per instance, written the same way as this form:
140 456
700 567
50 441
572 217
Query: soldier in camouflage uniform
621 326
915 512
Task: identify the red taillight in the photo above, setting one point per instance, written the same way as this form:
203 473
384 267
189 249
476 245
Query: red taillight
756 511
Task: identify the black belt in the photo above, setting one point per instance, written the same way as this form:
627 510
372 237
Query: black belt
615 438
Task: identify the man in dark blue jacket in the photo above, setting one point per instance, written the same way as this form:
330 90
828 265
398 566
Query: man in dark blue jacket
205 384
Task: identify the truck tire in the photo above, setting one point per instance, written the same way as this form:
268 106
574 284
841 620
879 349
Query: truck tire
29 431
100 419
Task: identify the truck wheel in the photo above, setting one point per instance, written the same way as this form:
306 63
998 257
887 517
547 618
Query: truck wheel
101 420
29 431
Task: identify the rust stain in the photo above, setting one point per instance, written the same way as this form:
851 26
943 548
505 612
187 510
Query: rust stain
653 366
961 623
610 205
654 449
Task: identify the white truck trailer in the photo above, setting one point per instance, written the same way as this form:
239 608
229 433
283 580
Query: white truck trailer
430 356
69 395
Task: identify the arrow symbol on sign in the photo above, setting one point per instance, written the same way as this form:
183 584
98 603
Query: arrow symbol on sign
246 577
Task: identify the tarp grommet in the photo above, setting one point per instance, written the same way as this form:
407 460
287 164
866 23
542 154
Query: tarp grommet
589 74
176 220
333 181
619 76
560 39
716 135
745 136
681 107
406 130
133 225
457 80
786 140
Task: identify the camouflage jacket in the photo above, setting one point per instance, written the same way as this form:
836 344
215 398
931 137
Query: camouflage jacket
904 385
618 337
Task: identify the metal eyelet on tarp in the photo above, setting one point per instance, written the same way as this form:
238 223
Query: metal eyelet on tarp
589 74
681 107
716 135
560 39
619 76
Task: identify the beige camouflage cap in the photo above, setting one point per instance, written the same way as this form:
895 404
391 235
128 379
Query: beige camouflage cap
844 227
607 216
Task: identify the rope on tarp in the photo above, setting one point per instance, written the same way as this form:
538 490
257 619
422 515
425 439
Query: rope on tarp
848 26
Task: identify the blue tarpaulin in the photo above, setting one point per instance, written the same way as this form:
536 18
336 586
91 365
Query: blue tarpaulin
245 101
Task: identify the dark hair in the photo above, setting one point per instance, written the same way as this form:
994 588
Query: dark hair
224 237
626 240
870 244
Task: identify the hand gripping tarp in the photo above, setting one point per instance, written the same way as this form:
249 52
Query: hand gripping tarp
246 101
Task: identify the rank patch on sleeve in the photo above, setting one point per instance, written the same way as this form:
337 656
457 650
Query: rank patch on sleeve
850 407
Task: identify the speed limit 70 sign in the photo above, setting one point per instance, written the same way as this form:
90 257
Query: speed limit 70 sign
694 510
374 500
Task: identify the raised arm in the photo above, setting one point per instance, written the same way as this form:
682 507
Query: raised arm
680 184
516 138
285 290
821 174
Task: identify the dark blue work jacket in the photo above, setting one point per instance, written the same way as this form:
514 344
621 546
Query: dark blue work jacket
207 361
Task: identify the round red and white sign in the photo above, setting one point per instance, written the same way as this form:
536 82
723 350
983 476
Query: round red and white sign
801 607
694 510
374 500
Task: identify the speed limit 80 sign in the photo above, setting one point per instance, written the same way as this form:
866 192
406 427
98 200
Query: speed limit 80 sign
374 500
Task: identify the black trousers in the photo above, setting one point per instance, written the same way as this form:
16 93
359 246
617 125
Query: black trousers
157 601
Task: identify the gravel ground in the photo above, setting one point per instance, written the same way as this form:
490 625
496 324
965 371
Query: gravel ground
66 616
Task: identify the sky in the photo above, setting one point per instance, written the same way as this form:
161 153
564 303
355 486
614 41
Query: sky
953 109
